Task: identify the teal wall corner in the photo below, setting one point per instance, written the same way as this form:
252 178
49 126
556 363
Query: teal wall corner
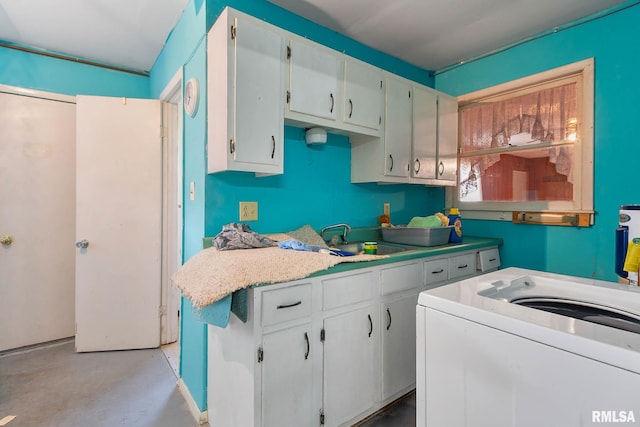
609 39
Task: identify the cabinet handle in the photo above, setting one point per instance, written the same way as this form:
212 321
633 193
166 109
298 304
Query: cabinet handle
233 32
332 102
389 316
463 266
232 146
441 168
417 165
273 146
306 340
491 259
391 166
438 271
280 307
370 325
350 108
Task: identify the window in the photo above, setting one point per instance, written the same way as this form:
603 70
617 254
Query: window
527 145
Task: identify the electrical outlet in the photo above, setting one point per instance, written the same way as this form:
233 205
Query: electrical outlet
248 211
387 208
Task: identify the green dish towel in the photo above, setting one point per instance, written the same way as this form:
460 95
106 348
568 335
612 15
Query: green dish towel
425 221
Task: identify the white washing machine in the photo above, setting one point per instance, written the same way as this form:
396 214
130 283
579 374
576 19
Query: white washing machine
524 348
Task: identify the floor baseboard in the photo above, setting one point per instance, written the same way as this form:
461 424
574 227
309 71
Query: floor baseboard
201 417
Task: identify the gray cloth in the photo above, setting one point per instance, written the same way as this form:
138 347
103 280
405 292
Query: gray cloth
240 236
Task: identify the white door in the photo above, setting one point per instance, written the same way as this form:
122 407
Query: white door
398 345
287 378
118 216
349 370
425 122
37 142
313 81
397 143
364 95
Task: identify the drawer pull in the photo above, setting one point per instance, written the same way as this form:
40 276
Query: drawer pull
463 266
289 305
389 315
491 259
306 340
438 271
370 325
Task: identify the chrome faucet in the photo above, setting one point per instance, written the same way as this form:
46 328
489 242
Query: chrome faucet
344 232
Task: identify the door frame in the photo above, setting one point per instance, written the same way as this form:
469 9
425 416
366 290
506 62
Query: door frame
172 207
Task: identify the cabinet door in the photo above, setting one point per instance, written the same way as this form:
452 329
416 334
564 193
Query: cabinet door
313 81
397 140
447 137
287 378
425 112
363 95
398 345
259 116
349 374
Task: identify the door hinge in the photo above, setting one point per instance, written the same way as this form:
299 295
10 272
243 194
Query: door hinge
322 335
260 355
321 417
163 310
288 52
288 96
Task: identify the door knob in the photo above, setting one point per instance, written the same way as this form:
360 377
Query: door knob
82 244
6 240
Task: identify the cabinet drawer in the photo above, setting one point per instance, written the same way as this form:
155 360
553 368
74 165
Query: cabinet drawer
286 304
488 259
401 278
436 271
347 290
462 265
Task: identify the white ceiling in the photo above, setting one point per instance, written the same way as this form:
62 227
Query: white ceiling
125 33
437 33
431 34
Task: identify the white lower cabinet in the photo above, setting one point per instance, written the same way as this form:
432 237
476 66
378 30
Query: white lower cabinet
328 350
349 372
287 377
398 330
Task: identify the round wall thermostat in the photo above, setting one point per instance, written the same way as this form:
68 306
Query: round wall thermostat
191 95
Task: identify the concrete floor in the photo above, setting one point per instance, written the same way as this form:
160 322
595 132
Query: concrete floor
54 386
401 413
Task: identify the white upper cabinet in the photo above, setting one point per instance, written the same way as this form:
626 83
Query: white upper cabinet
314 74
447 167
397 132
363 94
420 138
425 122
245 68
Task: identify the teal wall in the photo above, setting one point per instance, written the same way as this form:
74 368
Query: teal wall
315 188
39 72
613 41
185 50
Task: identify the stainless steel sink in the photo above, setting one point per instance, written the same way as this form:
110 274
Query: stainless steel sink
383 248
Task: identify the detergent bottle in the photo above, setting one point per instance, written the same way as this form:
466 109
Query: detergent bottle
456 231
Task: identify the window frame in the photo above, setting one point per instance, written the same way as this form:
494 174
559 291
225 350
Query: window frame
584 148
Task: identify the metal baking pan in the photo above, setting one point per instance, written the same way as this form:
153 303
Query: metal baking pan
418 236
